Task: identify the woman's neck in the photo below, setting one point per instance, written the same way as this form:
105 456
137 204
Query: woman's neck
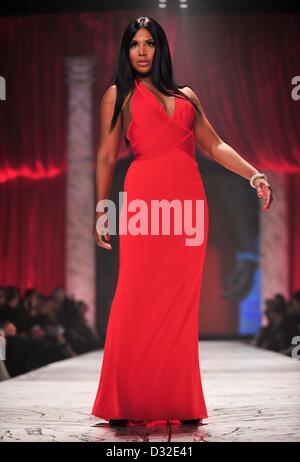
145 78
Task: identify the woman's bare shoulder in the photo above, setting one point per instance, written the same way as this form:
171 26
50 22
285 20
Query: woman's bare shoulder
110 96
192 95
188 91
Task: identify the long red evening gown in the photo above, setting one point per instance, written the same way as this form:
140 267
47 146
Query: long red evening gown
150 368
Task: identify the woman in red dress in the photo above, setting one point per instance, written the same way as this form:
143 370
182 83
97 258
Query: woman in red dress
150 368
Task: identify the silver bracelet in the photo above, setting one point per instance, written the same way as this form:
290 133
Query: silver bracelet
257 175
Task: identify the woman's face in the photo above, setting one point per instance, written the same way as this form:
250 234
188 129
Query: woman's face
141 51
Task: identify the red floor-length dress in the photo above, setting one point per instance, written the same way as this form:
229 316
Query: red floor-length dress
150 368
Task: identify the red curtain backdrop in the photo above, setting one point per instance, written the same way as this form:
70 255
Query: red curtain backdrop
240 66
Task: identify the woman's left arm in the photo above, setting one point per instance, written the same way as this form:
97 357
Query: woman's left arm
212 145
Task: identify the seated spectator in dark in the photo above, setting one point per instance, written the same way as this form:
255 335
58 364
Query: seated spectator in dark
12 305
45 315
47 322
20 311
77 332
293 319
12 296
24 354
29 311
17 350
92 340
276 336
58 295
294 312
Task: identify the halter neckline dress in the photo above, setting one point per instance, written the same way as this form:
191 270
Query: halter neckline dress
150 368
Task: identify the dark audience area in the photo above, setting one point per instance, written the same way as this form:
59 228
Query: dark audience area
37 329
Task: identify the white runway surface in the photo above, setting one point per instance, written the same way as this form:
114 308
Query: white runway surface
251 395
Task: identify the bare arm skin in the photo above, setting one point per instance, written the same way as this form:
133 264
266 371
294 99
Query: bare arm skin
107 155
214 147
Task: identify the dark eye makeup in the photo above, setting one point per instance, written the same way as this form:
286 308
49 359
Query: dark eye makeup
149 42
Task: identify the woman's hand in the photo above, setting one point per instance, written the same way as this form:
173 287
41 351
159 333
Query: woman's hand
101 232
264 190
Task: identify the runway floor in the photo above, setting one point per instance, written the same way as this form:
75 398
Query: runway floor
251 395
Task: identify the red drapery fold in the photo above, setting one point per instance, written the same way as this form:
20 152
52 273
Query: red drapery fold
240 66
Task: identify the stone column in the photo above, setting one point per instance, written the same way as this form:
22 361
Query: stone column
274 240
80 245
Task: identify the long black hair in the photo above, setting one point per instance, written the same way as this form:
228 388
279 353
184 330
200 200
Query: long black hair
161 71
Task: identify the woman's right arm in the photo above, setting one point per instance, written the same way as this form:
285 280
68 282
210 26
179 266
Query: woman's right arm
107 155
